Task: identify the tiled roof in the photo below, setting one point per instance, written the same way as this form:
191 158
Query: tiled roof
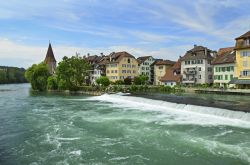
246 35
118 56
142 59
171 73
165 62
225 57
198 52
177 65
171 76
50 55
224 50
93 59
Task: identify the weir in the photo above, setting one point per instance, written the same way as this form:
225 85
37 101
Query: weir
168 107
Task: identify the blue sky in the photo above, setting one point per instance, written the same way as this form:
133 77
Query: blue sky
161 28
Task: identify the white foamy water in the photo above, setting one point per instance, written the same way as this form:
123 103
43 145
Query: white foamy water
179 113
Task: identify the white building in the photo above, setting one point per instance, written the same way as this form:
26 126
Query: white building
144 66
223 66
196 66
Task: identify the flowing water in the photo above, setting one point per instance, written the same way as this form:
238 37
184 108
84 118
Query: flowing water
42 129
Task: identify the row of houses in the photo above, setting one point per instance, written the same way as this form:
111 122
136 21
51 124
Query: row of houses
227 67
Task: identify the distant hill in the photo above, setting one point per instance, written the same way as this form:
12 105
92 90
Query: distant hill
10 75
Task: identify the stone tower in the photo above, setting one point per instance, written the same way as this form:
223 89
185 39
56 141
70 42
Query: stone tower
50 60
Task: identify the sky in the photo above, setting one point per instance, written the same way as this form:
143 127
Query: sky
160 28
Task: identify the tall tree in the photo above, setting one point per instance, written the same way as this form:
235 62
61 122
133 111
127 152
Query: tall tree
71 72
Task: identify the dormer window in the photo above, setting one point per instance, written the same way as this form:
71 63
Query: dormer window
247 42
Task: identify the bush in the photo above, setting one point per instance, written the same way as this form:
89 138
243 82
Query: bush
52 83
103 81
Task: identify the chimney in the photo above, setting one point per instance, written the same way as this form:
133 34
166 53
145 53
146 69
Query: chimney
88 55
205 51
102 54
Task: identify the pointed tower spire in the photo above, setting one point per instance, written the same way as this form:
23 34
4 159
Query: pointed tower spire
50 59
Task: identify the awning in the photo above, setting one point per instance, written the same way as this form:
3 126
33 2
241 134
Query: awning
239 81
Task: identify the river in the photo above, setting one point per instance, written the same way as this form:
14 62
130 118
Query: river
46 129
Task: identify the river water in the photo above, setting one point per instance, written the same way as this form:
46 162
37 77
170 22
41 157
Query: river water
42 129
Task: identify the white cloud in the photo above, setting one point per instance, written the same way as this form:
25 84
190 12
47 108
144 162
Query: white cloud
21 55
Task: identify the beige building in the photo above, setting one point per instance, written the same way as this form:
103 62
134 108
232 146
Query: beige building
160 68
120 66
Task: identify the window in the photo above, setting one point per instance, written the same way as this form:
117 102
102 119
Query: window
245 73
199 68
142 68
112 71
128 66
147 73
107 71
216 69
134 71
128 71
123 71
133 66
115 71
124 65
209 69
245 53
147 68
128 60
199 76
160 67
245 64
226 77
247 42
201 61
231 68
231 77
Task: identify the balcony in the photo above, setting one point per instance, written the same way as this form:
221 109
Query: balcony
190 72
188 81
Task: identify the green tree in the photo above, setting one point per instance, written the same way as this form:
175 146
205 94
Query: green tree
127 81
37 75
71 72
103 80
137 81
52 83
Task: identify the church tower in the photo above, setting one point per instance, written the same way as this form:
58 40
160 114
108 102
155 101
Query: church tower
50 60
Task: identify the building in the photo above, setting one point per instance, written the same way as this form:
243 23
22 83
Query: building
196 66
160 68
121 65
242 66
144 66
223 67
50 60
172 76
95 72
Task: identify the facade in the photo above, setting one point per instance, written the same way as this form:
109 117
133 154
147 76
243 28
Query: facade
121 65
196 66
172 76
144 66
242 69
50 60
160 68
97 67
224 67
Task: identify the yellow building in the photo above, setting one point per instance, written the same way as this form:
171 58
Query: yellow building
242 71
120 66
160 68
